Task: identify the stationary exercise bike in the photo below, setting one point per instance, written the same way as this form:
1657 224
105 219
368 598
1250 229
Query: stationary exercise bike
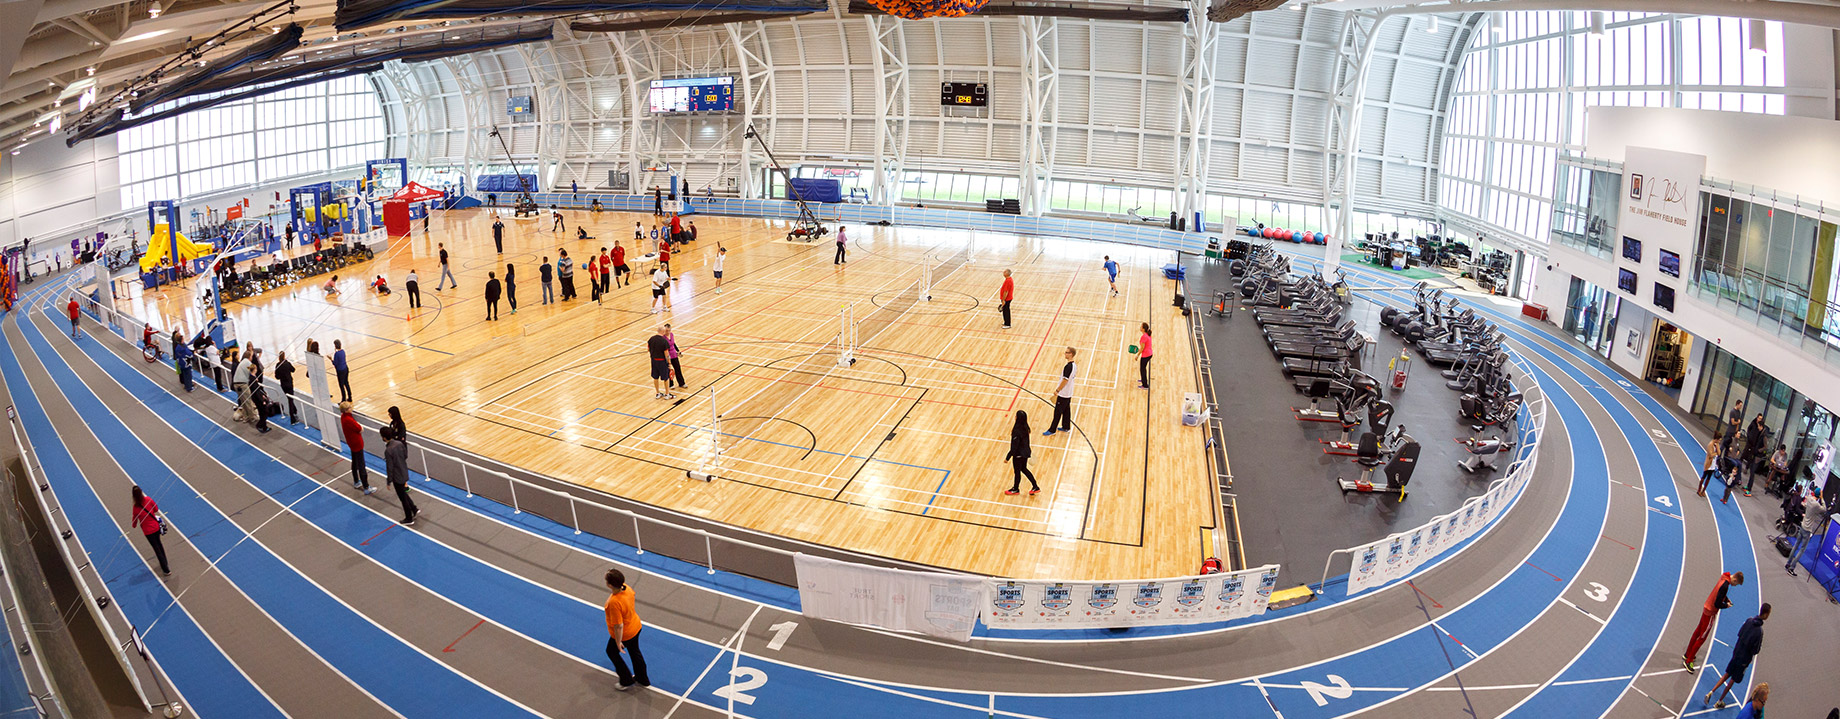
1399 465
1483 451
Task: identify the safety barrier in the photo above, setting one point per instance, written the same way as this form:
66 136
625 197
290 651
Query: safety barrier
1398 555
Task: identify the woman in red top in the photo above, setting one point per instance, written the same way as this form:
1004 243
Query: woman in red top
664 260
354 440
146 516
1143 358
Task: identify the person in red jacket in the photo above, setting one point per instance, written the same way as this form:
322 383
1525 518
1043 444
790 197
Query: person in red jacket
619 264
1005 295
1714 602
354 440
73 316
146 516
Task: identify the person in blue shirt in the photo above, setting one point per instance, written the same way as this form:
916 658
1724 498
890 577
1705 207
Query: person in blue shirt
182 356
1753 709
1750 642
343 370
1111 274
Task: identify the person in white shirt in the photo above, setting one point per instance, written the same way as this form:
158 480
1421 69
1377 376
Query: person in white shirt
721 254
1063 397
661 281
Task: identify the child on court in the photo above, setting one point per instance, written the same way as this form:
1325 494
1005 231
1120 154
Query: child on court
721 254
1111 274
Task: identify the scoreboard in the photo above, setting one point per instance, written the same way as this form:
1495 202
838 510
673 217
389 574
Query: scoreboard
693 94
964 94
518 105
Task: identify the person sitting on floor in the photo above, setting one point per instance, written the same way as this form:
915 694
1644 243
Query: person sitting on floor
332 286
581 233
380 286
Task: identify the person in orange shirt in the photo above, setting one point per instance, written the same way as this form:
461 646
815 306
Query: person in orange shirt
1005 295
623 627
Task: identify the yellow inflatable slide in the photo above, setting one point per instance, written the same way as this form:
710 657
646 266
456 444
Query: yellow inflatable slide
157 249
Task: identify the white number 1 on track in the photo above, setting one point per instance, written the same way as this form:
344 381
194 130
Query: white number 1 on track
781 632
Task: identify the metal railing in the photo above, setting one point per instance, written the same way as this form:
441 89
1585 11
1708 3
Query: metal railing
1530 428
1772 304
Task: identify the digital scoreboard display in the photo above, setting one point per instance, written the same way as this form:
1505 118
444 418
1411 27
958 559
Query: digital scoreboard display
693 94
964 94
518 105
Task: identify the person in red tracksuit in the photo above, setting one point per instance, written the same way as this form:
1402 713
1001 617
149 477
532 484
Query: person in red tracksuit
73 316
1714 602
354 440
1004 295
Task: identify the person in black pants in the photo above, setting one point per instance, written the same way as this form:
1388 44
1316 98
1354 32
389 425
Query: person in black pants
396 472
284 373
498 234
1018 456
1756 452
623 629
146 516
341 368
1063 397
511 287
354 441
414 287
492 289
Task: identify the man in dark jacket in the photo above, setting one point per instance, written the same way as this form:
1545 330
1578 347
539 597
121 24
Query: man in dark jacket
284 373
396 471
492 290
1750 641
1756 451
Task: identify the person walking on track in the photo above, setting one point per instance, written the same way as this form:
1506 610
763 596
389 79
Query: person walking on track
1743 651
343 369
623 627
498 236
511 287
1144 353
1063 397
493 289
354 441
1715 602
75 312
447 275
565 271
544 272
1111 274
1004 294
396 472
841 243
659 349
146 516
1711 466
1018 456
396 423
413 284
677 368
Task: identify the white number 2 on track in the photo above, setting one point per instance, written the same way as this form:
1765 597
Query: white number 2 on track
741 680
1340 690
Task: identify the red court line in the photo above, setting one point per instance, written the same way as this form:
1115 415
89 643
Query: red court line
1044 340
1428 598
379 534
1606 536
1542 571
450 646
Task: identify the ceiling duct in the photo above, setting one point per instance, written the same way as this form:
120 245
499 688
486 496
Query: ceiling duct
267 48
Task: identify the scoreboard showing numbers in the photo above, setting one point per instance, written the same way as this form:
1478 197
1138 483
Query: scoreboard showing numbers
693 94
964 94
518 105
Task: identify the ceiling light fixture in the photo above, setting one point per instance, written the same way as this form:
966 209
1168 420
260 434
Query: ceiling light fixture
1759 36
92 71
1433 27
154 11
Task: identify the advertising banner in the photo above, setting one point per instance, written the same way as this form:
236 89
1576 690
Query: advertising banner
934 604
1040 604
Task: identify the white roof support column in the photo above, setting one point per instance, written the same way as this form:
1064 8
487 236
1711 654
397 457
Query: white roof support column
552 108
1200 44
1359 29
638 66
891 107
472 96
754 60
1040 99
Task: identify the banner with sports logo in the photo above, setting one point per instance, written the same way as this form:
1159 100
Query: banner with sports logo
1037 604
931 603
1395 556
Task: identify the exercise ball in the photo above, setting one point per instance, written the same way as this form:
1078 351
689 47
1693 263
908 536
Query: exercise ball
1265 233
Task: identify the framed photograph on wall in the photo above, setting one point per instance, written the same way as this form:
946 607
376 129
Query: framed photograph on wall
1626 281
1664 297
1632 249
1670 263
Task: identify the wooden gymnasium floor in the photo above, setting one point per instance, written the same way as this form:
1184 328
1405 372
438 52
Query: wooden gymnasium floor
899 455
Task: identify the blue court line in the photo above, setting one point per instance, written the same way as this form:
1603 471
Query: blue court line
206 678
349 642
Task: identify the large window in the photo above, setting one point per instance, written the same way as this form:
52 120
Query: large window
1527 78
299 131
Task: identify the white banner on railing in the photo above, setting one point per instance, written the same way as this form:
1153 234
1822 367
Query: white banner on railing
1036 604
931 603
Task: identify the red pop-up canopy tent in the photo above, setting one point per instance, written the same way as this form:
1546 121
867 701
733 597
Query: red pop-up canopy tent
396 209
415 192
